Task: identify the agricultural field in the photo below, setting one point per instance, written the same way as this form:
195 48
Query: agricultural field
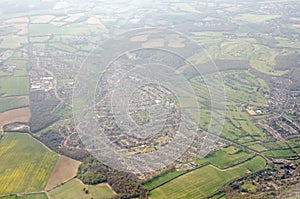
204 181
19 153
64 170
9 103
280 153
27 196
256 18
14 86
162 179
76 189
254 45
257 147
15 115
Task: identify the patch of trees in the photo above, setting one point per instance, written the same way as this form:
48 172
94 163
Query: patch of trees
52 139
74 153
285 62
42 105
294 75
91 171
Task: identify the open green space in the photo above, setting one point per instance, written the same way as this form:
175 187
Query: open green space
25 164
14 86
256 18
8 103
27 196
244 87
263 60
249 187
284 153
223 159
257 147
100 191
76 189
204 181
159 180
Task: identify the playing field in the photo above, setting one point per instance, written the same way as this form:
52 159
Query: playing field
204 181
25 164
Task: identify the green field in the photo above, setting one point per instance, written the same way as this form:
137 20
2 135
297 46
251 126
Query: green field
284 153
204 181
25 164
249 187
257 147
223 159
256 18
11 86
75 189
263 60
159 180
29 196
12 103
100 192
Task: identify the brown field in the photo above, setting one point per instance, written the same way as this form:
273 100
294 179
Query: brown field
42 18
74 17
16 115
17 20
296 25
93 21
139 38
64 170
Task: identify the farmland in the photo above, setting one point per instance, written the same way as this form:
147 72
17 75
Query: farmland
16 115
8 103
19 153
204 181
280 153
254 46
27 196
164 178
64 170
12 86
76 189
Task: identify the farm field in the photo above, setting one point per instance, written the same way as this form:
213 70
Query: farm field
204 181
64 170
19 153
9 103
16 115
101 191
14 86
75 189
284 153
28 196
164 178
